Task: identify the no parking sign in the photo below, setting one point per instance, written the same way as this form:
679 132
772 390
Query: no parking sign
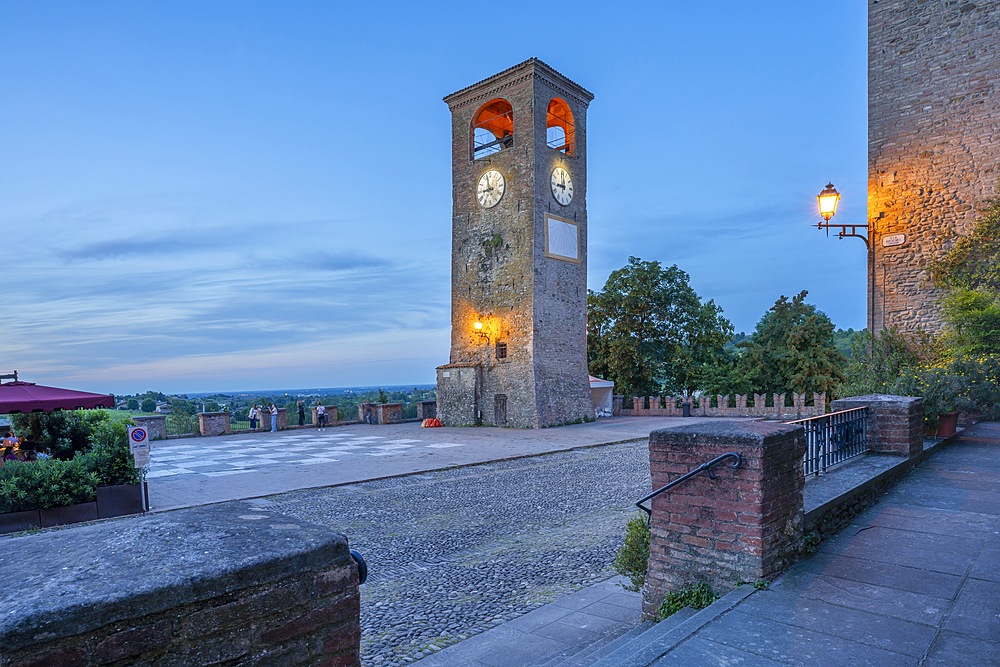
138 442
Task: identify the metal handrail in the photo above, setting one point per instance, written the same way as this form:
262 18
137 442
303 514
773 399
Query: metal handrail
704 467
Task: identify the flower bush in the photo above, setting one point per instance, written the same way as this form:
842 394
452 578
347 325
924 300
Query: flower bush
964 383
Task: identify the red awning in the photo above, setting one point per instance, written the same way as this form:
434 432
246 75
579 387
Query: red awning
31 397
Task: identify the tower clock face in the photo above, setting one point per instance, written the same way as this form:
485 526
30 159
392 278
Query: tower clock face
490 189
562 186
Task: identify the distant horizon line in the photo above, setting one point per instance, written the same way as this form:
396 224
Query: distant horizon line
296 391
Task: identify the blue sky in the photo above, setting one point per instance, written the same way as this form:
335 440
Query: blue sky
234 195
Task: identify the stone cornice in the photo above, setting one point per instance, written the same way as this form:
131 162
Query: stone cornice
531 68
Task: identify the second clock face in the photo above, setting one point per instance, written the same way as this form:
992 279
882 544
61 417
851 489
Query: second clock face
490 189
562 186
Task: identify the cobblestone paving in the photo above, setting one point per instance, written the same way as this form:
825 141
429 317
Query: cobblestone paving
455 552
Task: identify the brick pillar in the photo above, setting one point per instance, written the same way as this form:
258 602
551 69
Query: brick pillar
895 423
331 415
744 525
213 423
155 425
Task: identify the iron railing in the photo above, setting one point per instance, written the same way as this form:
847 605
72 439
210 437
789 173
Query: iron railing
834 437
704 467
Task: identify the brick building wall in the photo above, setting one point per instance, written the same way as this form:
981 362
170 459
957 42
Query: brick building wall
933 143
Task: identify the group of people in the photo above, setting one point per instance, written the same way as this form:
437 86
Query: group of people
18 449
256 416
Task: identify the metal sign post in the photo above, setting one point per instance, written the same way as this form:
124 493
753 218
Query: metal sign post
138 442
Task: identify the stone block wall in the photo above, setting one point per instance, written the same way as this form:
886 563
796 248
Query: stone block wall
224 584
155 425
895 423
426 409
744 525
215 423
933 153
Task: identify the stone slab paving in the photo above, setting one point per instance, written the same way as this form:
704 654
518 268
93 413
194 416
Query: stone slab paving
914 581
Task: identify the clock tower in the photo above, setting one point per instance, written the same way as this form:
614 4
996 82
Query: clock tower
519 252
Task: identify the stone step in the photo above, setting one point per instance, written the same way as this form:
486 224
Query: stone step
645 649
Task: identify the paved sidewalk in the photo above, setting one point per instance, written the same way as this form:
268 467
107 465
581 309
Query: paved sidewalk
599 612
203 470
914 581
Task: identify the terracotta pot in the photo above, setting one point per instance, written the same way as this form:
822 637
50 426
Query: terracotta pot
947 424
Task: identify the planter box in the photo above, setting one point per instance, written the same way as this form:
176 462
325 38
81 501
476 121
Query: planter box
59 516
14 522
120 500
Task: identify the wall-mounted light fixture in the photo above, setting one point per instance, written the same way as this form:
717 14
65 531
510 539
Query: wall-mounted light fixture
478 328
828 200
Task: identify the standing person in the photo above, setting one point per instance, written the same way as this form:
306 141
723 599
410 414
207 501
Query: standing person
254 416
320 416
274 418
302 414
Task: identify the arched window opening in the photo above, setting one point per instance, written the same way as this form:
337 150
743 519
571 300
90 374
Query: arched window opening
559 132
492 128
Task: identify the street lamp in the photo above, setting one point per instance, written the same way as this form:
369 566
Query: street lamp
828 200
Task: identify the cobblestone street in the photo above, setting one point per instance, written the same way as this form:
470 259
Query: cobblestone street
455 552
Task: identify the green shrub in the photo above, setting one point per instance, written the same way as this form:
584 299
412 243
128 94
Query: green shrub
45 484
698 596
54 482
633 556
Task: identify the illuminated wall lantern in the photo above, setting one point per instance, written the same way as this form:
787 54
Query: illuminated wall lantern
828 200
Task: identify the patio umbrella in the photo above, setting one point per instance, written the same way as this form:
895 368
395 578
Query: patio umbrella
30 397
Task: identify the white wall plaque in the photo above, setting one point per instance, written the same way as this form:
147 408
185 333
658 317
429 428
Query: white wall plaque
893 240
562 239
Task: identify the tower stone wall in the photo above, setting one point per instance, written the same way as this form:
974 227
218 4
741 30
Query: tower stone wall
531 303
933 144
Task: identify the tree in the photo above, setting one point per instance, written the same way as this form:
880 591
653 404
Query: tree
148 405
648 330
133 404
792 349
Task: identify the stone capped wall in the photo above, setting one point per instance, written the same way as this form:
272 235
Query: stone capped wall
224 584
933 143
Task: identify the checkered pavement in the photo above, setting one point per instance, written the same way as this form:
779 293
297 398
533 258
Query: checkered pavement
218 457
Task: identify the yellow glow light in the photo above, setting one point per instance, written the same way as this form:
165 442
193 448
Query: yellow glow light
828 200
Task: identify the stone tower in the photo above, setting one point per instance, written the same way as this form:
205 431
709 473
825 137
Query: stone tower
519 252
933 144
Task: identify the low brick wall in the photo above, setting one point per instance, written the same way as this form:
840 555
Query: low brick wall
228 583
155 425
744 525
331 415
673 406
213 423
